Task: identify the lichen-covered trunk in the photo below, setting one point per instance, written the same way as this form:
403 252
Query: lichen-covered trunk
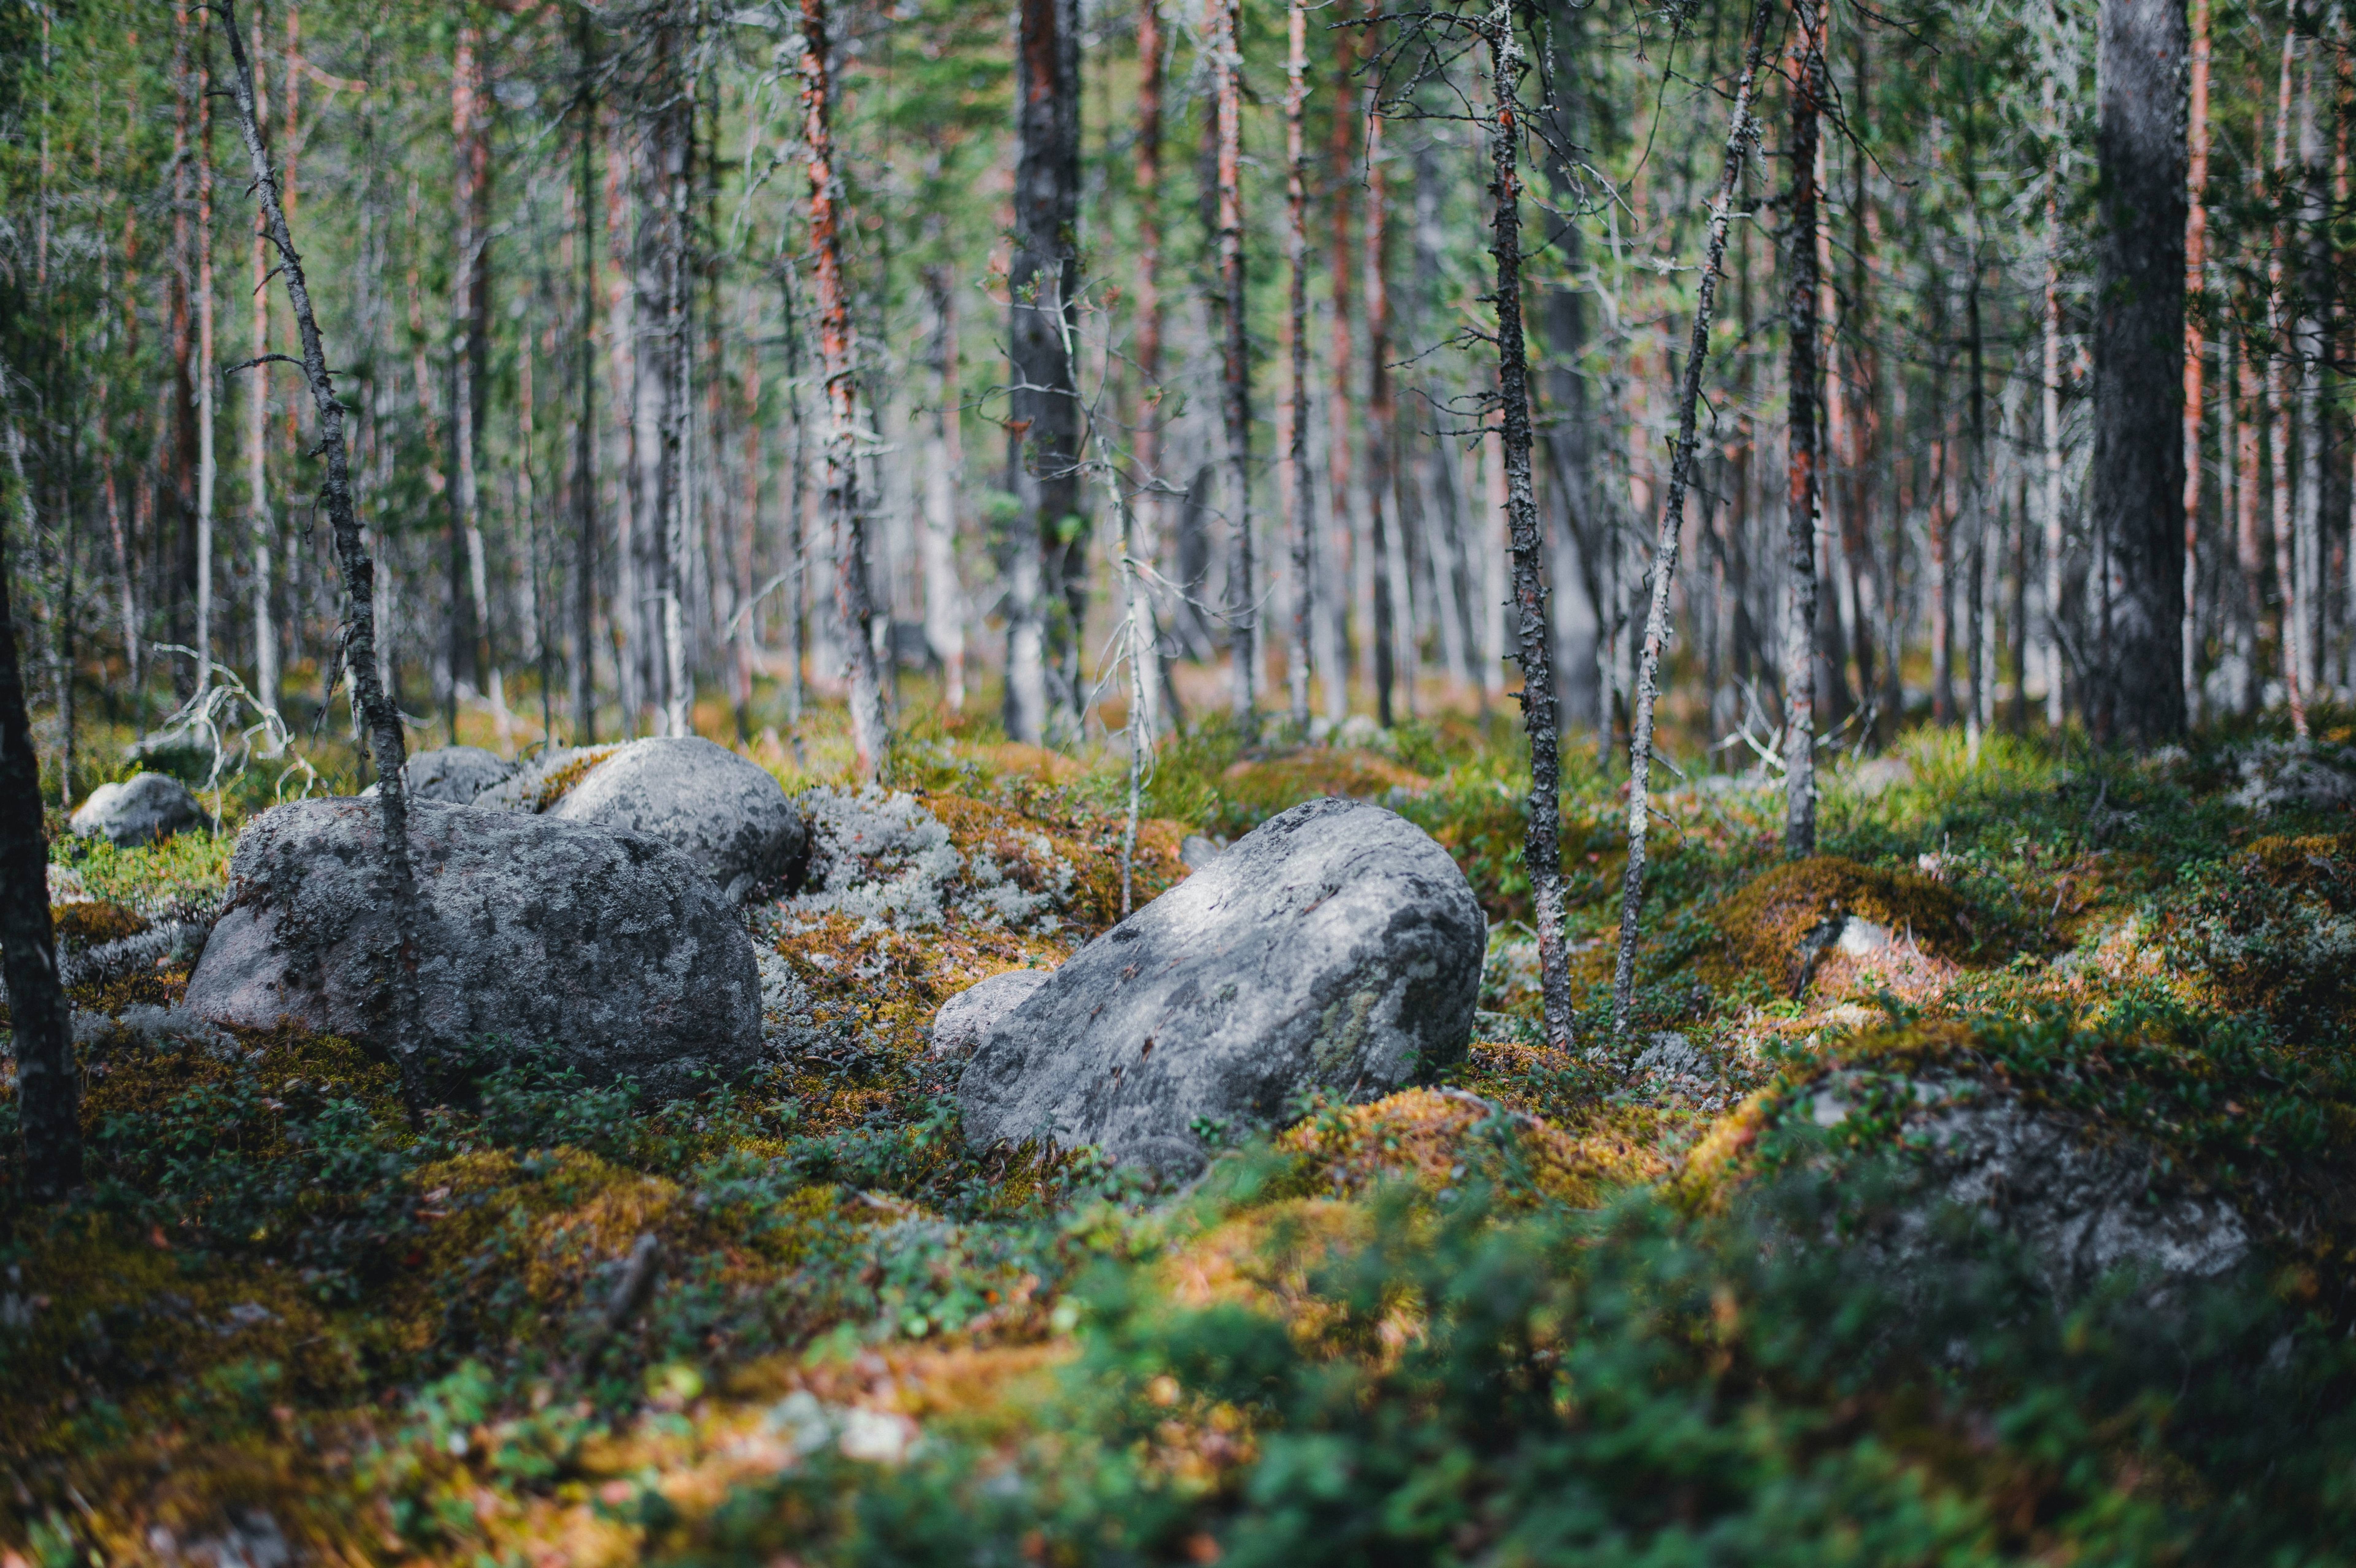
1146 514
1234 362
584 432
2135 488
1046 599
1541 843
2196 255
1296 239
868 733
1808 78
1739 135
357 649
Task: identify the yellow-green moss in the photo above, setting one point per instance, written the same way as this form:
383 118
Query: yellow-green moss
1768 926
97 921
1438 1140
1265 786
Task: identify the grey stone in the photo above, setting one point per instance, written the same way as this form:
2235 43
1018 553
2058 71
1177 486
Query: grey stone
1337 946
1860 937
539 782
966 1019
140 810
455 774
1671 1055
1195 851
2082 1202
725 812
2275 774
614 948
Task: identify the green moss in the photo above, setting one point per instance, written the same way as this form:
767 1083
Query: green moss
1778 923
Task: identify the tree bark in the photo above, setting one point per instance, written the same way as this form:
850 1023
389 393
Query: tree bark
944 616
47 1082
208 459
261 521
2049 627
1235 364
2136 487
2314 238
1800 513
870 734
469 350
1340 394
358 642
1296 190
1541 846
1382 508
1739 135
1146 513
2196 255
1047 597
584 432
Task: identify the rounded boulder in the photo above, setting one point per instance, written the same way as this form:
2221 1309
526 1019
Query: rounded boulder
723 810
614 948
1337 946
142 809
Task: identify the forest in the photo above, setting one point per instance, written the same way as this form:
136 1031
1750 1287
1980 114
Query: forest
1493 782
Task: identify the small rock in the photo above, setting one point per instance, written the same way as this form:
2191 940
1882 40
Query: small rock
2275 774
453 775
725 812
1859 937
1670 1055
966 1019
140 810
1335 947
612 948
1195 851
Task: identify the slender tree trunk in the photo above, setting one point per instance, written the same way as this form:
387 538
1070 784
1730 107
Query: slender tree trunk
1146 512
1235 369
870 735
262 524
2196 256
1800 525
944 618
797 510
584 432
1738 137
2314 330
1541 847
358 642
1381 444
2135 488
1296 434
1048 554
2278 407
178 552
2249 551
207 463
1340 392
469 299
2051 406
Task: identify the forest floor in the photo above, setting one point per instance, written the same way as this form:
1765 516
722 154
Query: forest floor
1545 1305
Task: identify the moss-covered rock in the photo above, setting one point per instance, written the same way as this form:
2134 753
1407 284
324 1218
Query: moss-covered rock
2273 930
2161 1144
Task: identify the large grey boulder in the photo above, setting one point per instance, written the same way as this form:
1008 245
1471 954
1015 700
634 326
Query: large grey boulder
140 810
614 948
723 810
1337 946
453 775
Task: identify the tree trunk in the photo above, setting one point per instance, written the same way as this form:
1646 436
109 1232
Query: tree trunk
944 616
1664 548
1340 394
48 1084
178 551
1146 512
585 433
260 522
2050 625
358 642
2136 485
1541 847
1046 583
207 462
1382 510
1235 366
1800 516
870 735
1296 190
2313 238
2196 255
469 350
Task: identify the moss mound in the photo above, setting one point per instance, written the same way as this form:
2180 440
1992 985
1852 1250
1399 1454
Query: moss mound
1441 1139
2213 1108
1784 919
1257 788
95 922
2273 930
